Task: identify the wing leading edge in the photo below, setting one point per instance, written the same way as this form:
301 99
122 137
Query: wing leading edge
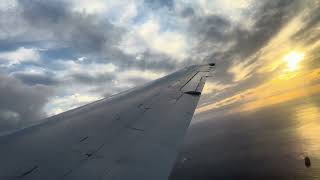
133 135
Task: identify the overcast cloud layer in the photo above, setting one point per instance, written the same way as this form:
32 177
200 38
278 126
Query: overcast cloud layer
57 55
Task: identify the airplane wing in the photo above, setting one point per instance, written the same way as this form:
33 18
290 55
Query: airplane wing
133 135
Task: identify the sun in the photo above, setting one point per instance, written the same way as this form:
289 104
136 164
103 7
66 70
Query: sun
293 59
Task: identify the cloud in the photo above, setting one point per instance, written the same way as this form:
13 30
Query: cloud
8 4
88 79
90 68
91 45
214 87
262 79
54 24
149 36
20 55
20 104
33 74
154 4
85 72
92 6
36 79
118 10
243 70
60 104
68 33
64 31
234 45
147 74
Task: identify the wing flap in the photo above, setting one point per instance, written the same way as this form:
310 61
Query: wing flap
196 83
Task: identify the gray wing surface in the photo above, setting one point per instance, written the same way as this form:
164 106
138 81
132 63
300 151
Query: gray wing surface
133 135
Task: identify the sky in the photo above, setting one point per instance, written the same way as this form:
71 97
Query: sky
60 54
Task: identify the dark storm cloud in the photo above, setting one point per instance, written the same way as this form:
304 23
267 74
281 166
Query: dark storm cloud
85 35
187 12
11 44
308 32
156 62
92 79
44 13
211 28
108 90
269 20
85 32
20 104
149 60
67 34
137 80
34 79
215 32
155 4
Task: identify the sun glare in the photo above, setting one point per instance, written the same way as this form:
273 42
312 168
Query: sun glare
293 59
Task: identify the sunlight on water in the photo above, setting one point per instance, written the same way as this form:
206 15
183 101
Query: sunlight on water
307 117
